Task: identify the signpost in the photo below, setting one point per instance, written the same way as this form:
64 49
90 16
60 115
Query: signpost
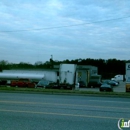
128 77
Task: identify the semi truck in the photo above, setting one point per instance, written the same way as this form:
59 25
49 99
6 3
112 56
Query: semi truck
67 76
127 86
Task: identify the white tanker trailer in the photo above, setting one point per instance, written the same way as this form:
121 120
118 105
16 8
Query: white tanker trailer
7 78
10 76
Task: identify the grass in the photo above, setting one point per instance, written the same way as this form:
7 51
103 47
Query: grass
57 91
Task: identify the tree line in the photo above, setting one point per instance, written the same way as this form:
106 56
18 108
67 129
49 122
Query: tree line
106 68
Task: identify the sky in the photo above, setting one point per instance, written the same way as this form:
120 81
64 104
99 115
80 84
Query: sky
33 30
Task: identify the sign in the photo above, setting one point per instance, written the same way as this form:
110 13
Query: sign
127 87
122 124
127 77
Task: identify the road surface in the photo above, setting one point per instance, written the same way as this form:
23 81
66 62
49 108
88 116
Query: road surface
20 111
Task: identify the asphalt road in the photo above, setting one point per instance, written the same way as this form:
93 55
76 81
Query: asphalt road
61 112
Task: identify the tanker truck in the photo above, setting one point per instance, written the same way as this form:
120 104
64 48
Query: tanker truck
20 79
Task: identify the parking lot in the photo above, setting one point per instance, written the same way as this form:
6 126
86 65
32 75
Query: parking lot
119 88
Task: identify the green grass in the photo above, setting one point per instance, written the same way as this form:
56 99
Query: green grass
57 91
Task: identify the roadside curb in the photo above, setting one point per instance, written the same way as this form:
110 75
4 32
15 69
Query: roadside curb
73 93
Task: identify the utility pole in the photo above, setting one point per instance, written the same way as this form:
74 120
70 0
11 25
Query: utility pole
51 61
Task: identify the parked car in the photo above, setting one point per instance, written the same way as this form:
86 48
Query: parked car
42 83
94 84
111 82
116 81
106 87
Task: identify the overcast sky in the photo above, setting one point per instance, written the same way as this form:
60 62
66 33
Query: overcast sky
33 30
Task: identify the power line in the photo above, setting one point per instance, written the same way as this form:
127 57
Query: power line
65 26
